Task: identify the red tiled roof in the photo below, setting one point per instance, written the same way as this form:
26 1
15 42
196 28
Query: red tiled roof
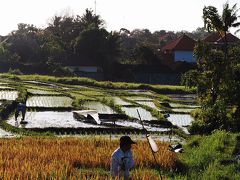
212 37
215 37
182 43
230 38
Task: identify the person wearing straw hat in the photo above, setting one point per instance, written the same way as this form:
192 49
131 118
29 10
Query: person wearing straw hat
122 159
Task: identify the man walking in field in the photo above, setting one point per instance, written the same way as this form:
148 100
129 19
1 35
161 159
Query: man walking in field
122 160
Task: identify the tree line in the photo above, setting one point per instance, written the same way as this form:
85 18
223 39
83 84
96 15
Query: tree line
75 40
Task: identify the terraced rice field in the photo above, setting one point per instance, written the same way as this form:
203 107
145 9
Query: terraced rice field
50 95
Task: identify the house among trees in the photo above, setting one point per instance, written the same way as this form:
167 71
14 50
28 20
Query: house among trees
217 39
180 49
84 67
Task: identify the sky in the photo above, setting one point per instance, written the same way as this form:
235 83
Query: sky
170 15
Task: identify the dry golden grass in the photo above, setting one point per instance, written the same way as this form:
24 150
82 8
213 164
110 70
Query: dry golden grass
68 158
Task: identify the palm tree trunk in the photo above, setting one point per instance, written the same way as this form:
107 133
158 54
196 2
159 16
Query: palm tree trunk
227 65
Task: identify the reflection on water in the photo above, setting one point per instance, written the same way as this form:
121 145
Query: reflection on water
42 92
132 112
148 103
101 108
181 120
49 101
50 119
8 95
66 120
182 110
119 101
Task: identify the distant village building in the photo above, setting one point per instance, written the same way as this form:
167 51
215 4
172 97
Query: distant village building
180 49
85 68
217 39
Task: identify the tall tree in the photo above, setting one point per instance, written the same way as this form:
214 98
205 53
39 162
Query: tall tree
217 76
213 21
24 42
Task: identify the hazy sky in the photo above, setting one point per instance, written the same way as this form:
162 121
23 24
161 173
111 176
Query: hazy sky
174 15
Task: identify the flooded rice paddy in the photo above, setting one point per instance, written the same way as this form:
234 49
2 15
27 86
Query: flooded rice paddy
101 108
132 112
47 95
55 119
147 103
120 102
47 119
8 95
181 120
42 92
49 101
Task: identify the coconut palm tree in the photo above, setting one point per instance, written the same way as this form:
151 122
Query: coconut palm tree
213 21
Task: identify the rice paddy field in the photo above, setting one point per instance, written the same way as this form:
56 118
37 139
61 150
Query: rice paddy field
73 158
50 104
55 144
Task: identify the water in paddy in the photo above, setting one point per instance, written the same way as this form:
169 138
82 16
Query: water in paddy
119 101
148 103
139 126
42 92
132 112
66 120
42 84
183 97
101 108
138 98
50 119
182 110
4 87
139 92
8 95
49 101
181 120
177 105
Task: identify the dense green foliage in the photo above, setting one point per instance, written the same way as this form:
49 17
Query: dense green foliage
217 77
209 157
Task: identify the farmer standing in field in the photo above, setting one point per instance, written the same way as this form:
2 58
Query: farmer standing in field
21 107
122 160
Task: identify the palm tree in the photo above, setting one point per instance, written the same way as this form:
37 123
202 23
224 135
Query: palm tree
213 21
